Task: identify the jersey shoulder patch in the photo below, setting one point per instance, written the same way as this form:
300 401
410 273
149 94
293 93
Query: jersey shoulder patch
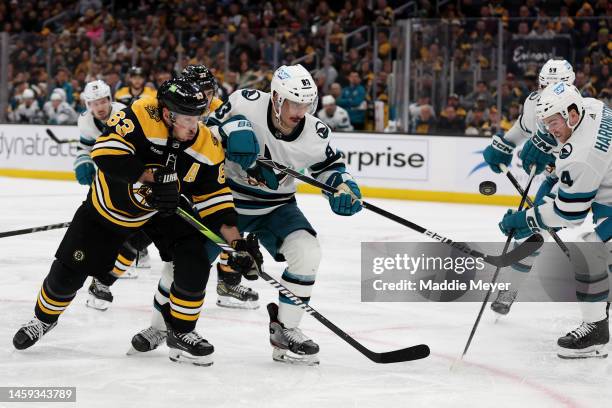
251 94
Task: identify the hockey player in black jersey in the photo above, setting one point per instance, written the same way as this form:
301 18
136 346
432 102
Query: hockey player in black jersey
154 151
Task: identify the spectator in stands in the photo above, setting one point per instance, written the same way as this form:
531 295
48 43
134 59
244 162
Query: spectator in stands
335 90
477 125
353 100
28 110
453 100
450 123
480 91
602 47
58 112
334 116
424 123
62 80
584 85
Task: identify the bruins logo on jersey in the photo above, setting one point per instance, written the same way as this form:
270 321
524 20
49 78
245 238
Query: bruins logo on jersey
153 112
140 193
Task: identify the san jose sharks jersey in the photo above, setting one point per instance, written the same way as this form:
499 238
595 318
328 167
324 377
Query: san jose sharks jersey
136 140
308 148
526 124
584 169
89 129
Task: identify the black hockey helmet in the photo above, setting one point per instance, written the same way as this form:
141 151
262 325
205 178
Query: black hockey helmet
182 96
201 76
136 71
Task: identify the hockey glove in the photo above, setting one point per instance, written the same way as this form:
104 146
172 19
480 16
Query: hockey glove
247 259
240 142
226 273
85 172
347 200
164 195
263 175
498 152
538 151
524 223
545 190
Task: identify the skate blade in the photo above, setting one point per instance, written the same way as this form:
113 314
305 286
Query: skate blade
597 351
179 356
287 357
232 303
131 273
142 266
98 304
132 352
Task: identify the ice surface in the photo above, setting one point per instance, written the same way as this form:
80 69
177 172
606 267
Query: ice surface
511 363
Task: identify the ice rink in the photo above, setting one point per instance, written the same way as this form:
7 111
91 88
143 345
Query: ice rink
511 363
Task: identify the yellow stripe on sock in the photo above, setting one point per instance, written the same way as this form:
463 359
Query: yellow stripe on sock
186 303
48 311
53 302
184 316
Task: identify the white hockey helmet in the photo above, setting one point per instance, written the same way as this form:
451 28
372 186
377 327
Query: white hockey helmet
556 71
28 94
559 97
294 83
95 90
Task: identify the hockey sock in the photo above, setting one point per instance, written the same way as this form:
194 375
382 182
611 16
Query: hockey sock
288 313
184 308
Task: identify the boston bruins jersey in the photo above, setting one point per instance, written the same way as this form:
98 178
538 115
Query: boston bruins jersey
137 140
89 129
308 147
126 97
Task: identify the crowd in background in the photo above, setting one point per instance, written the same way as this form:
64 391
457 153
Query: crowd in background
58 46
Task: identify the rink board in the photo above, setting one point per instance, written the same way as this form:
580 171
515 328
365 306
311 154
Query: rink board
409 167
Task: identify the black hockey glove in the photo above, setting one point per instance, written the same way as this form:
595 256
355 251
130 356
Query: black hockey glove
164 195
247 258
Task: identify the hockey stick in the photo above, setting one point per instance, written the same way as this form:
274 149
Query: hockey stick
35 229
522 251
406 354
56 140
518 188
506 246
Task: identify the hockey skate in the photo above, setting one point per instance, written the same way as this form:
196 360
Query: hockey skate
100 296
237 297
189 348
290 345
505 299
589 340
147 340
30 333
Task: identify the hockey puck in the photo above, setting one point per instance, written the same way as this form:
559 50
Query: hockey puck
487 188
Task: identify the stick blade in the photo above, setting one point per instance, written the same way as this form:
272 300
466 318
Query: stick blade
407 354
526 248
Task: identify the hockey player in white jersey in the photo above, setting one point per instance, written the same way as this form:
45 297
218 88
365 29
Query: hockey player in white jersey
280 125
583 128
538 150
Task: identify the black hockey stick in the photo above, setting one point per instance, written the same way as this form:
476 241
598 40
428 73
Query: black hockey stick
35 229
518 188
56 140
406 354
520 252
494 279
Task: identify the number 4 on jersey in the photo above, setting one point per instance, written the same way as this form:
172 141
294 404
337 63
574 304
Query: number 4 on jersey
566 179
